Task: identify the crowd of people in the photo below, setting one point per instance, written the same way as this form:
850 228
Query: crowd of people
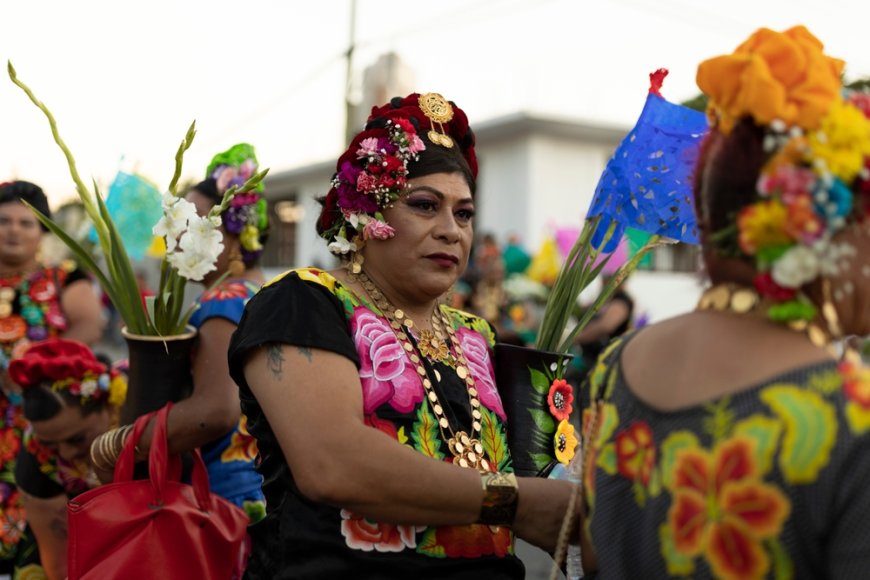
353 413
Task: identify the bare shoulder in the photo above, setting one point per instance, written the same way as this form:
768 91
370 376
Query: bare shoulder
701 356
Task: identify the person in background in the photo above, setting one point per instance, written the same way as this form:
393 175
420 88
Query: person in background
37 301
70 397
381 431
730 442
210 418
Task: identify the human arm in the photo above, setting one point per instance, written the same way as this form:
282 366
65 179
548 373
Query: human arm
83 312
610 317
312 399
47 520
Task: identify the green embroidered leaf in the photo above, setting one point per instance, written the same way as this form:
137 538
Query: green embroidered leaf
493 439
810 430
429 545
765 431
608 418
543 421
541 460
826 383
401 435
783 567
718 425
677 564
607 459
655 483
539 382
672 445
639 494
425 434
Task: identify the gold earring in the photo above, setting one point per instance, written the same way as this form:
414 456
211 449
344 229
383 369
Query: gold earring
356 262
236 265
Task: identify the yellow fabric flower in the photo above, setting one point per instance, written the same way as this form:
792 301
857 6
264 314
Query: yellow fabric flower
772 75
565 442
117 391
763 225
250 238
842 141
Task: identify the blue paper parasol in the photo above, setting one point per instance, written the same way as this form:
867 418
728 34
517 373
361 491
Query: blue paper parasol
135 206
647 184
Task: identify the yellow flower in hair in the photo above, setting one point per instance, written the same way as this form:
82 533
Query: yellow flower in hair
117 391
772 76
763 225
250 238
842 141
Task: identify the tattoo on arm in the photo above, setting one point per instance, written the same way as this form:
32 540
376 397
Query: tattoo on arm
306 352
275 360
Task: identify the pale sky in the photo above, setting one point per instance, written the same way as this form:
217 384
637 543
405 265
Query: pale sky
125 79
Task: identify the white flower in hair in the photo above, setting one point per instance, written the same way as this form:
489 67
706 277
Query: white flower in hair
88 387
796 267
341 246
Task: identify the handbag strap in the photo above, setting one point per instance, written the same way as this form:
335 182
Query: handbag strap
162 467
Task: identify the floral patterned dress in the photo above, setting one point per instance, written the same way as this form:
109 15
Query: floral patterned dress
231 459
302 539
770 482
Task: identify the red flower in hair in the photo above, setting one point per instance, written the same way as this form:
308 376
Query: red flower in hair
766 286
52 360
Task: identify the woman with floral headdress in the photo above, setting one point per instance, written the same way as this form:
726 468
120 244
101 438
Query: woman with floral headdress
70 397
37 301
380 429
210 418
731 442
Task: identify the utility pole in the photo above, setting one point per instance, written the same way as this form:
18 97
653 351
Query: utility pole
349 129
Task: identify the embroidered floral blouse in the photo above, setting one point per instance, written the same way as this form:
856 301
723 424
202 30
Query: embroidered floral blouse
302 539
770 482
231 459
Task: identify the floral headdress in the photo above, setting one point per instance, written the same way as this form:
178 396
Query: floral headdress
815 177
372 173
246 217
68 365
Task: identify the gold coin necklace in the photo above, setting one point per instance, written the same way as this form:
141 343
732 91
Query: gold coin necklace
467 449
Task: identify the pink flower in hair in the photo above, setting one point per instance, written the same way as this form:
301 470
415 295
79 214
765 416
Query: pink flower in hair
226 176
367 147
378 230
366 182
789 181
247 169
416 145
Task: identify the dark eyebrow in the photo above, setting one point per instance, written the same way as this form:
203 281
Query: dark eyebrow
436 193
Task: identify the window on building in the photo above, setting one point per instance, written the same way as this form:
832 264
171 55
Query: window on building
284 214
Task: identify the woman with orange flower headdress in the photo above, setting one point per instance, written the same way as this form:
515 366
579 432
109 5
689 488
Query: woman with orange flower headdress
70 397
733 441
374 405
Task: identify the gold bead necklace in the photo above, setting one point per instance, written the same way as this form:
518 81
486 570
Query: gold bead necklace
467 449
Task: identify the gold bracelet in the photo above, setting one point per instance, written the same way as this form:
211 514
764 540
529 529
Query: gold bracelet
97 454
500 497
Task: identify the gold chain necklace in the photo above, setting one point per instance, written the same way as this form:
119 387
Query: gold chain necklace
467 449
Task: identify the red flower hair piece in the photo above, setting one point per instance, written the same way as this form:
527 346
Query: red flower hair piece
54 360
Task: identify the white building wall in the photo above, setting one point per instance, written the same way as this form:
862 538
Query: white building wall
503 181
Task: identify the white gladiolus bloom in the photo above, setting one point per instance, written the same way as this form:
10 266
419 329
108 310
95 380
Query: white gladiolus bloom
191 265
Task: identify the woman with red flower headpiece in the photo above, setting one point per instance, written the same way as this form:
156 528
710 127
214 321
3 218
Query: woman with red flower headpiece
37 301
379 425
732 441
70 397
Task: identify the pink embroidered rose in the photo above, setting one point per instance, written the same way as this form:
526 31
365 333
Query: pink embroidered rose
386 373
476 352
362 534
378 230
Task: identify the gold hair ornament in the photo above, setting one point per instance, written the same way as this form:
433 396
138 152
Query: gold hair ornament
439 111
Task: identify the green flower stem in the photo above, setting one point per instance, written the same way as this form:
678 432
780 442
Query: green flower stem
179 157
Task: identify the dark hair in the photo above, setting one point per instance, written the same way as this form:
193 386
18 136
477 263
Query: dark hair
41 403
25 191
208 187
727 173
438 159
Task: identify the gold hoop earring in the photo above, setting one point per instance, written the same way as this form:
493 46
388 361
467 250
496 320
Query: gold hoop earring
236 265
356 262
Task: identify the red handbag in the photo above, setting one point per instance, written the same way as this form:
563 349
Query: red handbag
157 527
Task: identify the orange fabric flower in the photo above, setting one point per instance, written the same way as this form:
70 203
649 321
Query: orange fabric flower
636 452
723 510
474 540
560 399
772 75
856 383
